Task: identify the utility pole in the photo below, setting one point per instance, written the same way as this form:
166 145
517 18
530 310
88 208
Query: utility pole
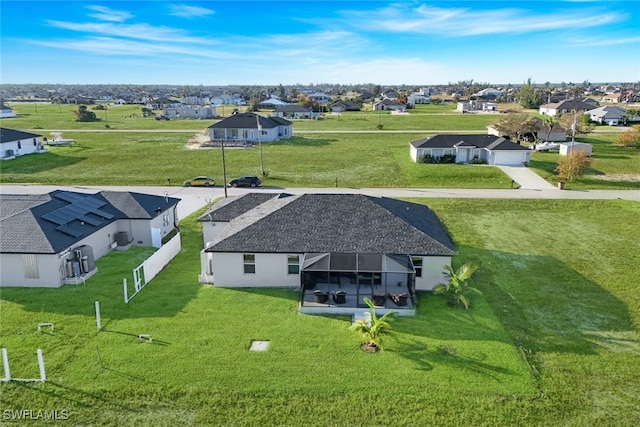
224 170
260 144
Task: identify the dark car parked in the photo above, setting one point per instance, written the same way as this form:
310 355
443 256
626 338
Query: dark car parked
245 181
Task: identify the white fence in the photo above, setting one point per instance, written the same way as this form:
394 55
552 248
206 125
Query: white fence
153 265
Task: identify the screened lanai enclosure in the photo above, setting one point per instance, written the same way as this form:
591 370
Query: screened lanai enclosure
338 283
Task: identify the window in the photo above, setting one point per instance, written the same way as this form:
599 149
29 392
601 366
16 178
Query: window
19 145
30 266
293 264
249 263
417 264
35 143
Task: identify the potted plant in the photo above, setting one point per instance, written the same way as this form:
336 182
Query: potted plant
372 330
459 285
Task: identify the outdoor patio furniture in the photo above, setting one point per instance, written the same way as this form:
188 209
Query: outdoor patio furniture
339 297
378 299
320 296
399 299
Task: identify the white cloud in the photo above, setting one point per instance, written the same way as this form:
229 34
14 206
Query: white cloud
452 22
605 41
186 11
107 14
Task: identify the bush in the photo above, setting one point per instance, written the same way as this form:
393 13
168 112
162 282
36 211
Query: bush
478 162
428 158
572 166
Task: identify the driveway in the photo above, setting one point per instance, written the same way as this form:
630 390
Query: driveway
526 178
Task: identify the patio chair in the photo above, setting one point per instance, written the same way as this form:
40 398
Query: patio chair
320 296
399 299
378 299
340 297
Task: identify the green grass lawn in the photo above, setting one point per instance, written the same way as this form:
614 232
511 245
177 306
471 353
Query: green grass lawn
354 160
316 158
551 341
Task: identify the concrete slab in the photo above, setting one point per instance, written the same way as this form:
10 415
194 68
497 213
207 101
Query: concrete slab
526 178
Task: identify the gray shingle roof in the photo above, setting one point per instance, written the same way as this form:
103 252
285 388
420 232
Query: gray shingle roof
28 226
490 142
232 207
10 135
347 223
248 121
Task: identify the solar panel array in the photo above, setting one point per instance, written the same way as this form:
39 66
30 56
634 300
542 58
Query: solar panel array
79 208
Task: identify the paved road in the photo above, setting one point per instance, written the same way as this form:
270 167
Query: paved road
193 199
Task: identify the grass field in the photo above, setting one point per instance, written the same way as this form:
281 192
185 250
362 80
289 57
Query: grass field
354 160
551 342
314 158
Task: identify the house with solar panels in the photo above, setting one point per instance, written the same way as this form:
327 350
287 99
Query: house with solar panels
48 240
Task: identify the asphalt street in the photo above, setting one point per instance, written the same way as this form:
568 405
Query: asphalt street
193 198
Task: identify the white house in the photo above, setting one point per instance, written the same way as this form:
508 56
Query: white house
294 111
609 114
358 244
14 143
51 239
473 105
566 106
494 150
250 127
6 112
489 92
189 112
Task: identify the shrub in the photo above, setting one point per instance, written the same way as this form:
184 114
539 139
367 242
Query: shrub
573 165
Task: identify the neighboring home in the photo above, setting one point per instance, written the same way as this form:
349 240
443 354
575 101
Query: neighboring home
343 105
189 112
162 103
14 143
272 103
359 244
319 97
418 98
494 150
50 239
542 132
228 99
6 112
474 105
489 93
294 111
613 98
609 115
567 148
250 127
389 105
565 106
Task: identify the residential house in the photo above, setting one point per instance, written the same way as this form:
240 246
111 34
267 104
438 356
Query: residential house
365 246
489 93
6 112
475 105
613 98
162 103
319 97
343 105
250 127
421 97
566 106
389 105
14 143
494 150
51 239
272 103
609 114
294 111
180 111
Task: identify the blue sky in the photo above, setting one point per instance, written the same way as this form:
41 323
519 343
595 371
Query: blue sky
288 42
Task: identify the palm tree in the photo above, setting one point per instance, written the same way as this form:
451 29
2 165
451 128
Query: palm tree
373 329
548 121
459 285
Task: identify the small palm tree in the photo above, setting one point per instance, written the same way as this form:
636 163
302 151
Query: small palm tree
373 329
459 285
